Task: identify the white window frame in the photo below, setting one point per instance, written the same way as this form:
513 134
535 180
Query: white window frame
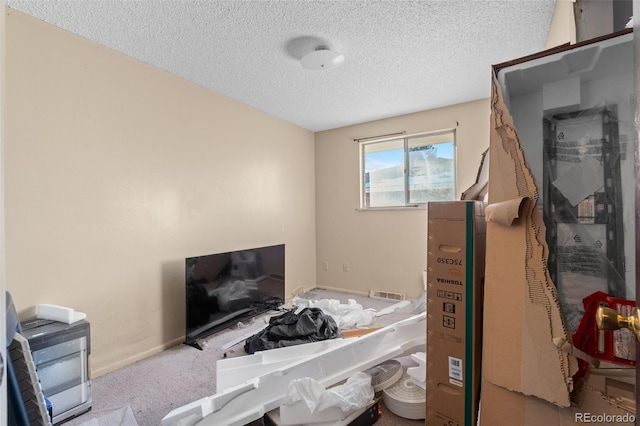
362 143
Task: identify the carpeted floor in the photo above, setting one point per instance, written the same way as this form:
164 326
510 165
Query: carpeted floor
153 387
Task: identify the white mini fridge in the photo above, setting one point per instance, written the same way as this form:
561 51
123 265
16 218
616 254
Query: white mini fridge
61 355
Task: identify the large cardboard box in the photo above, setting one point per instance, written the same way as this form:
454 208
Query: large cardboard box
529 364
455 274
518 409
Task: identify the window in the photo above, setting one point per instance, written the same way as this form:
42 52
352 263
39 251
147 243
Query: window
408 170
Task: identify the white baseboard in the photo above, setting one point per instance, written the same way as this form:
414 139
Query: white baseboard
343 290
137 357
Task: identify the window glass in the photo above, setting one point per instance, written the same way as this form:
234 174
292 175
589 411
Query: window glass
384 174
408 171
431 171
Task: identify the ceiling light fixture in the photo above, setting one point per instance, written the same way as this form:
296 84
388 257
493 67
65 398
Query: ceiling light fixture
322 58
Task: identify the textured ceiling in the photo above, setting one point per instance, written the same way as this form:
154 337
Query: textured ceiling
400 56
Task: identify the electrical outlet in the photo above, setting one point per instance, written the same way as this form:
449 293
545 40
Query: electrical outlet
325 265
346 266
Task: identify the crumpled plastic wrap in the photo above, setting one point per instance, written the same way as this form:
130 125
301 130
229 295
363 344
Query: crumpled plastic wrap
355 393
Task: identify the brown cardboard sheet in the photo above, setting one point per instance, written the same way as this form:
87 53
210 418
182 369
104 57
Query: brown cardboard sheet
518 409
478 191
505 212
522 314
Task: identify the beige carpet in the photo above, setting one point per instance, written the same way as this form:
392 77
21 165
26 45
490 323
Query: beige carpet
182 374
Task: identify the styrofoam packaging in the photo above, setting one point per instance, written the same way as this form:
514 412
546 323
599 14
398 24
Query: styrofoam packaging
419 374
59 313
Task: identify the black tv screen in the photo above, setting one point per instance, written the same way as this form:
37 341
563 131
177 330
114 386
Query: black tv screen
225 288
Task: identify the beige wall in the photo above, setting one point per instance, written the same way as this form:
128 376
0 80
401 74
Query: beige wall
385 249
117 171
563 24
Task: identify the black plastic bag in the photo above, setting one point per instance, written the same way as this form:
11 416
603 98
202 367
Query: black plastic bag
290 329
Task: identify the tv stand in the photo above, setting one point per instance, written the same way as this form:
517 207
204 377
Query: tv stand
200 342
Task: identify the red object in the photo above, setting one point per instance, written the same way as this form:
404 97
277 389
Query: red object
618 346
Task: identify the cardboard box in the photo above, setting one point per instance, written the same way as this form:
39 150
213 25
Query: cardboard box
528 363
455 274
519 409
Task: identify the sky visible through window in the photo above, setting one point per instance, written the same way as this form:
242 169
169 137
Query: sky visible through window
385 159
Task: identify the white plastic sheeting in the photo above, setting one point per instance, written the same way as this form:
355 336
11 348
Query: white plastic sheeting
307 401
346 315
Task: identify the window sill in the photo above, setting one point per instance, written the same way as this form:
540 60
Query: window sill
410 207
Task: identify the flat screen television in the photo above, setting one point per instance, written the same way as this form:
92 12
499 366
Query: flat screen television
225 288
